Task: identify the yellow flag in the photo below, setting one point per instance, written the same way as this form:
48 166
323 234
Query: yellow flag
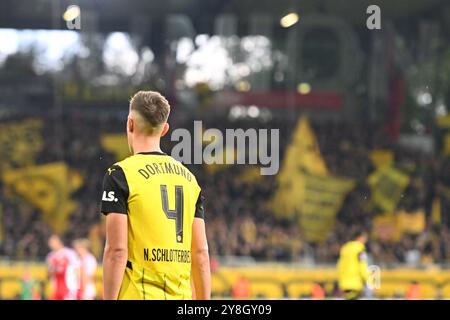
443 121
305 190
411 222
117 144
20 143
302 155
390 227
304 152
47 187
436 211
387 185
381 158
323 198
446 145
385 228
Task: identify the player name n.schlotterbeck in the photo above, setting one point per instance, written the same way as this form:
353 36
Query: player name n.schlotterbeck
167 255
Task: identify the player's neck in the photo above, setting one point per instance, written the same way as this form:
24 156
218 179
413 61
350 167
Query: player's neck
146 144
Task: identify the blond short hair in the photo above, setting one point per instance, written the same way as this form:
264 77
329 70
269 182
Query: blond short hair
151 106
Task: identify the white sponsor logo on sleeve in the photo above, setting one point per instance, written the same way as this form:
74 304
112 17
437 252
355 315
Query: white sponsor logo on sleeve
109 197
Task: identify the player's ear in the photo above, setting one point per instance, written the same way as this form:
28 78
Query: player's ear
165 129
130 125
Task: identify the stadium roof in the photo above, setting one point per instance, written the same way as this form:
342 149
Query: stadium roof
117 15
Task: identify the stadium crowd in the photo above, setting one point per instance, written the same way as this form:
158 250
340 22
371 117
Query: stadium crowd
238 221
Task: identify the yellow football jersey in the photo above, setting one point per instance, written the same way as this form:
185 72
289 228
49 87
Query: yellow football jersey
161 198
352 266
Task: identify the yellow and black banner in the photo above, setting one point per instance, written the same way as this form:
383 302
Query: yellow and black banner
390 227
305 189
322 201
48 188
387 185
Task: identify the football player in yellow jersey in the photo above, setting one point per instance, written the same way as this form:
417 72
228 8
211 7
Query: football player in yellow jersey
352 266
155 230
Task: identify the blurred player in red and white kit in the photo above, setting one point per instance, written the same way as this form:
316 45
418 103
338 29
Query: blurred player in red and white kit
88 268
64 269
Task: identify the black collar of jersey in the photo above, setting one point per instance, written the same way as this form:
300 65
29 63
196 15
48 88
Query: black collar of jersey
154 152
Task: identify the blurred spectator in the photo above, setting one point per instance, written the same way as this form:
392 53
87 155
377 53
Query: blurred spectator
88 268
241 289
414 291
29 287
317 293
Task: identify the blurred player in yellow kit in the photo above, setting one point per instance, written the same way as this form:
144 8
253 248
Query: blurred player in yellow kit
352 266
155 231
